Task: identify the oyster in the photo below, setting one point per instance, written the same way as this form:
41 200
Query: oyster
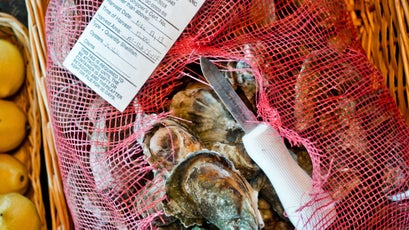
213 124
206 187
167 143
238 155
207 115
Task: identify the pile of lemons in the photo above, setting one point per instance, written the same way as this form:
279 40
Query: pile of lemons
16 210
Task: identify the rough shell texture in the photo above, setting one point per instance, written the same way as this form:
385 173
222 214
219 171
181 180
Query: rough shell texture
209 119
168 142
207 187
238 155
213 124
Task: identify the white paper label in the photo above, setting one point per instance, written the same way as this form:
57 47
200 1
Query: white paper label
124 43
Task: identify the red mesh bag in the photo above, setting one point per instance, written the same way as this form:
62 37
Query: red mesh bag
314 84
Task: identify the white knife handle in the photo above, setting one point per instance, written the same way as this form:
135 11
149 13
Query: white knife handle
292 184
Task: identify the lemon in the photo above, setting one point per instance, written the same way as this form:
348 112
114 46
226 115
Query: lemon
17 212
13 175
12 69
12 126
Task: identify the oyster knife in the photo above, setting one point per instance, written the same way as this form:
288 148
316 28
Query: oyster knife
307 207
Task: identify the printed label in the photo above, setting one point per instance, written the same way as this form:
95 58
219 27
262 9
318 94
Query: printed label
124 43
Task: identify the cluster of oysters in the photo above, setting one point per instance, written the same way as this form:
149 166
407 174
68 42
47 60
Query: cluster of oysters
202 167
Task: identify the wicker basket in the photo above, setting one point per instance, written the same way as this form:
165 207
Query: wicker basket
383 27
60 217
26 98
383 31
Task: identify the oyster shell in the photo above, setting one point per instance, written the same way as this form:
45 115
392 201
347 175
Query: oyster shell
167 143
213 124
238 155
208 118
206 187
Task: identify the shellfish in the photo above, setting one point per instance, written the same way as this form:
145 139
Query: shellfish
168 142
207 115
213 124
205 186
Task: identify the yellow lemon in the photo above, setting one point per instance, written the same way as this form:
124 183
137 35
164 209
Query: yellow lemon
13 126
13 175
12 69
18 212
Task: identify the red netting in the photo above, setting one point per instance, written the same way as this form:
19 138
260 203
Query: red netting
314 84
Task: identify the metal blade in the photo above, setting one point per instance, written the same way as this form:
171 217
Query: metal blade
228 96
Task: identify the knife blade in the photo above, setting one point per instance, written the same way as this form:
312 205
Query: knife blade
264 145
246 119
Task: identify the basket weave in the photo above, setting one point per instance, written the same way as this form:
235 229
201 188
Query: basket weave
383 27
26 99
60 218
383 30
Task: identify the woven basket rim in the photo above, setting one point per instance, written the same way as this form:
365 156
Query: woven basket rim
26 98
59 212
